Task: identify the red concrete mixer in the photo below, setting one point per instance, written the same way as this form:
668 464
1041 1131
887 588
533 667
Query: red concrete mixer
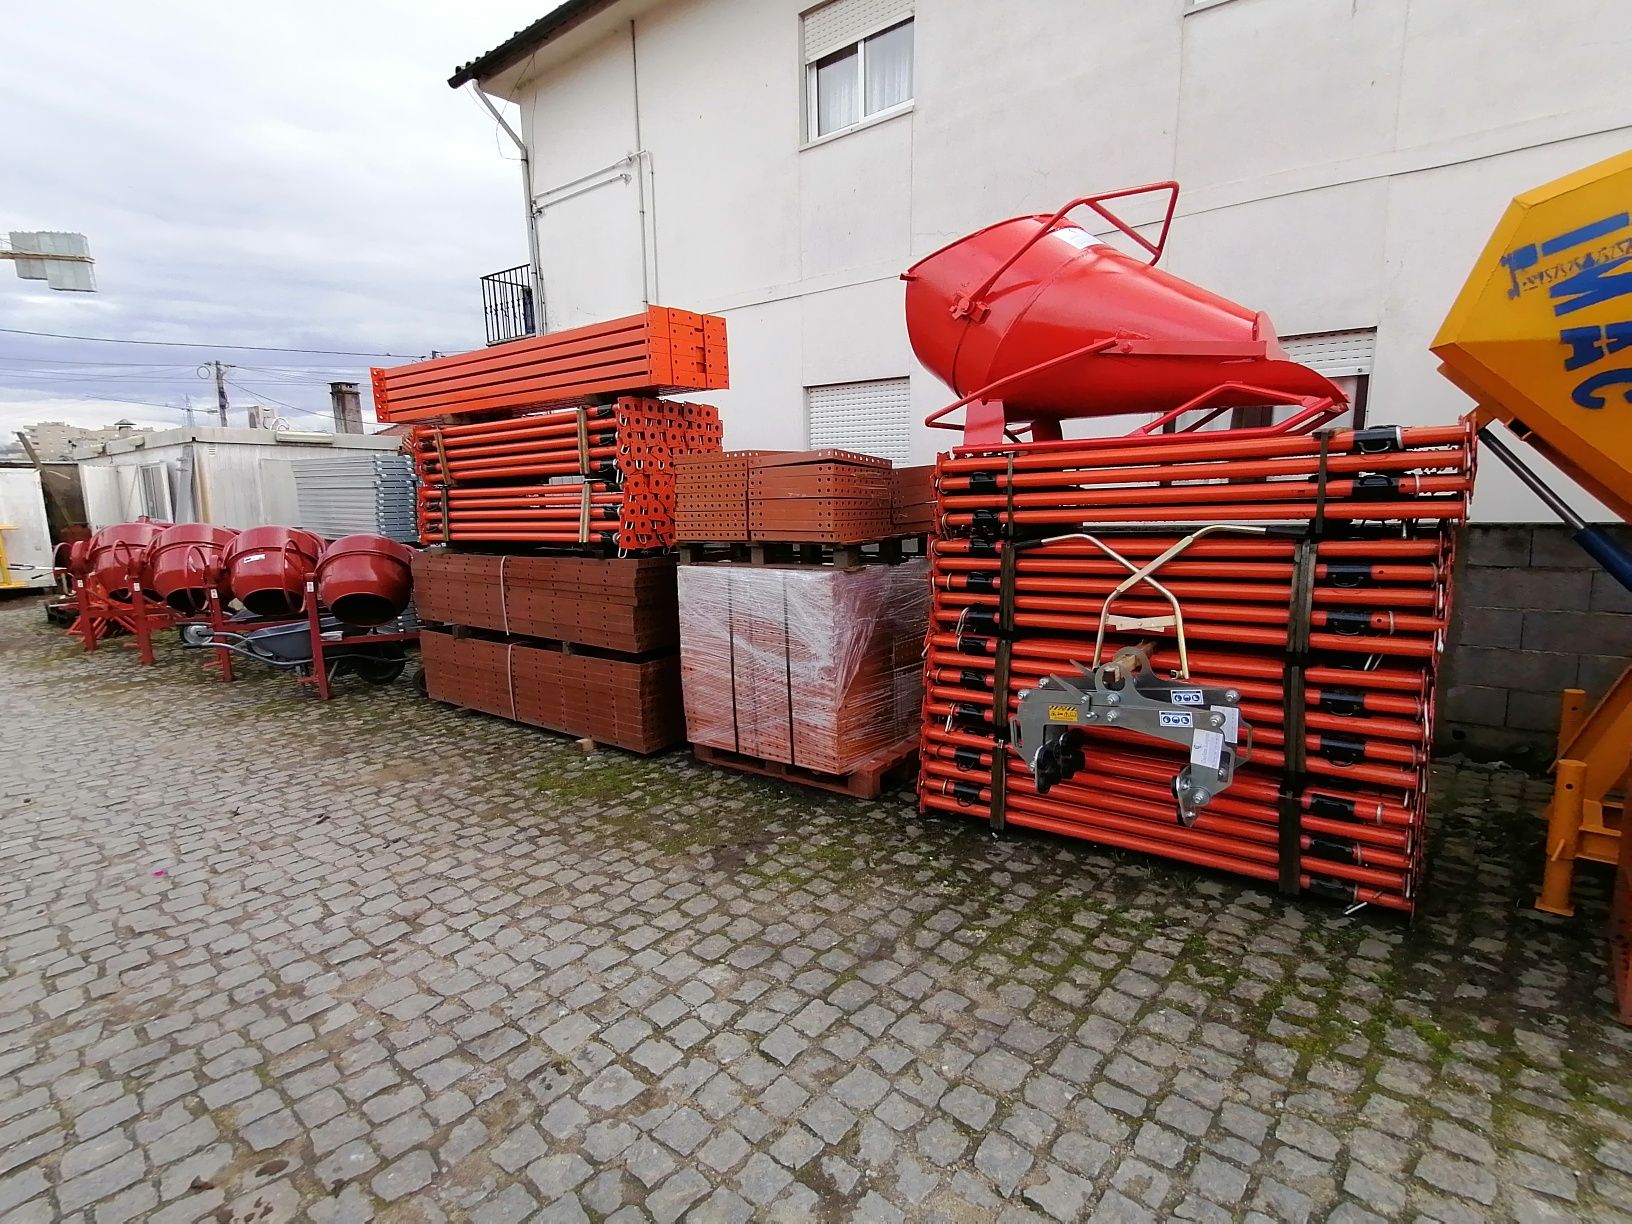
1033 321
365 580
185 561
118 557
267 568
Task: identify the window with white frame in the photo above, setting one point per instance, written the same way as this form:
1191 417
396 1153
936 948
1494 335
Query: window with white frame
871 417
858 63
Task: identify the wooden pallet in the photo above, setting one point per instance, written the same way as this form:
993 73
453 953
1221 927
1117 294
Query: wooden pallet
866 781
795 552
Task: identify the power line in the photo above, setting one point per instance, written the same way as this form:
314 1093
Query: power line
274 399
244 348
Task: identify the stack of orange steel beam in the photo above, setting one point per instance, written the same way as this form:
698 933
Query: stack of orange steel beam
599 475
1318 588
657 352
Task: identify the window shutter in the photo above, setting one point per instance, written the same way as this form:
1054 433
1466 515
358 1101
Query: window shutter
1336 354
871 417
842 22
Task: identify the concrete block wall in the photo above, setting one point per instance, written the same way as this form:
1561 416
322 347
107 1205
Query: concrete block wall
1534 615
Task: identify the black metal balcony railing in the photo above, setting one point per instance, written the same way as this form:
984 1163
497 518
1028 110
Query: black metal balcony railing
507 304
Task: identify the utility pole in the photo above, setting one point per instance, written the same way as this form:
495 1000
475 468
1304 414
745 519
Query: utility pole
220 391
348 407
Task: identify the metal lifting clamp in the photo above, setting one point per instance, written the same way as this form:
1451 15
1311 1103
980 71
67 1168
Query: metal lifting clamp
1047 729
1125 693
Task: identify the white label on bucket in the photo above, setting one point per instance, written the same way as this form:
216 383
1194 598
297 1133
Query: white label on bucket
1079 238
248 557
1206 749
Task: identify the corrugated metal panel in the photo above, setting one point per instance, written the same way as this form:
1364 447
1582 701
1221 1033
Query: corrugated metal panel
232 484
346 494
842 22
57 273
871 417
1336 354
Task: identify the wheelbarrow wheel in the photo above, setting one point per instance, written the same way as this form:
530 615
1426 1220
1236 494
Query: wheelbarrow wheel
197 635
378 671
421 685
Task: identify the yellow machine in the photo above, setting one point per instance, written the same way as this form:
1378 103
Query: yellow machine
1541 338
6 583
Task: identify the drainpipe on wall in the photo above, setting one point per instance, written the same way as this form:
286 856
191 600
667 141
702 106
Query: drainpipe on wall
535 263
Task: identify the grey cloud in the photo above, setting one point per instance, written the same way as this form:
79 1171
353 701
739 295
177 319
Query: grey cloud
293 175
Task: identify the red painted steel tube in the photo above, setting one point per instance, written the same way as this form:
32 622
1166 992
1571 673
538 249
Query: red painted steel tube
1253 783
526 448
1454 508
1404 647
944 666
1265 754
1260 713
1406 721
520 535
1356 576
1267 720
460 493
1163 496
1092 816
563 420
1165 448
1257 833
1037 484
1375 820
1022 815
1197 599
1145 547
1204 661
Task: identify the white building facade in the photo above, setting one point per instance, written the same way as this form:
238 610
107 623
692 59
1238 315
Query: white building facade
1342 163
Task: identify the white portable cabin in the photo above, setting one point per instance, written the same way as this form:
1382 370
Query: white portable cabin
230 477
28 541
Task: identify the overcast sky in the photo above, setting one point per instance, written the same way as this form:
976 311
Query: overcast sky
292 175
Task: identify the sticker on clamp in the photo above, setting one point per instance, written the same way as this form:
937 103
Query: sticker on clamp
1207 749
1232 722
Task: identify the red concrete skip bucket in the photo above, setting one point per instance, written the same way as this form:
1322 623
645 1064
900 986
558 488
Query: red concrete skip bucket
365 580
267 568
1035 320
118 556
184 562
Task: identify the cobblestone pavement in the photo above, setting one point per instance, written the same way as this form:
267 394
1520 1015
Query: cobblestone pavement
262 959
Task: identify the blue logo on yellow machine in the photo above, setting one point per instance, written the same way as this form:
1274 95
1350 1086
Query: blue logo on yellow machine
1582 268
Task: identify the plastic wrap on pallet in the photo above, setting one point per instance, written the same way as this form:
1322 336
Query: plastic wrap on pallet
807 666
